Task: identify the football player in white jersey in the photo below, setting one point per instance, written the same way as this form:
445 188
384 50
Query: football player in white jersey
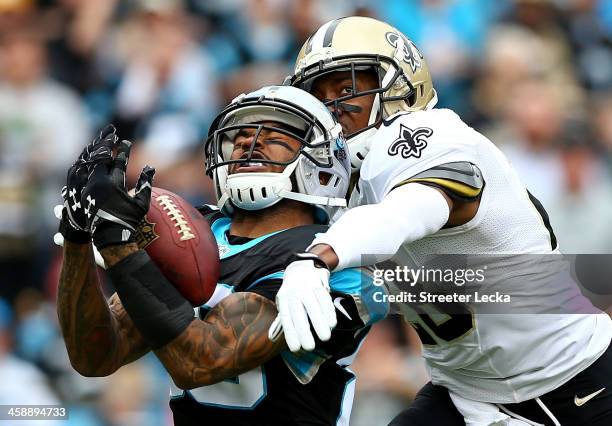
430 184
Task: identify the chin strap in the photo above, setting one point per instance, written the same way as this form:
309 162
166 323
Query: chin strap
296 196
432 103
360 144
313 199
223 200
375 109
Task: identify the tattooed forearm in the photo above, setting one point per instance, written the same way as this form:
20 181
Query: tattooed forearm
113 254
130 343
82 311
232 339
99 338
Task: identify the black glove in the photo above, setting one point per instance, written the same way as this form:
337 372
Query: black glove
73 225
112 214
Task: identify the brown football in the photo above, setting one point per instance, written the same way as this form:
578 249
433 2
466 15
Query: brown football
179 241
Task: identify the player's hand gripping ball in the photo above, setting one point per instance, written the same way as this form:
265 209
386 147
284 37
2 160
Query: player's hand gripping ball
179 241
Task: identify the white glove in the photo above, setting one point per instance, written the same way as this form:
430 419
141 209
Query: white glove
58 238
304 295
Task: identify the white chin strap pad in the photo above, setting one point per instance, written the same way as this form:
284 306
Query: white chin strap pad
359 146
432 103
257 191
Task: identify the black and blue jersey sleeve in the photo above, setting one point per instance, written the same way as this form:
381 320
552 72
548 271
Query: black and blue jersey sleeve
353 293
358 304
354 289
268 288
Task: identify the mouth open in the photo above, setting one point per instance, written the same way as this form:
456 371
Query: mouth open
253 165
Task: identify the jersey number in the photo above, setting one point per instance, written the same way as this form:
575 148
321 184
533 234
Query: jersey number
243 392
434 326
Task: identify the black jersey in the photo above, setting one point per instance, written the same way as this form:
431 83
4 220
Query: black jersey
307 388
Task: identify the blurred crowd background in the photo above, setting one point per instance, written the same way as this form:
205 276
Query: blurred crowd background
534 75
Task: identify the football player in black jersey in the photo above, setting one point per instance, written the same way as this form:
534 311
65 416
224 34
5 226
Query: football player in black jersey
281 171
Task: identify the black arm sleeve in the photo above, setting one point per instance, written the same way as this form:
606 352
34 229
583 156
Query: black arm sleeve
157 309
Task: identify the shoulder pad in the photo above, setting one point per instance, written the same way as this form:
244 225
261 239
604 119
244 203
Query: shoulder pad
441 116
389 120
459 179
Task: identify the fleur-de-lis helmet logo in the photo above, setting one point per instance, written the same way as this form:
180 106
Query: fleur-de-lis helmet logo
410 143
412 55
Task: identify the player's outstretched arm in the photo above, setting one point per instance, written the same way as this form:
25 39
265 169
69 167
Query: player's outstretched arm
99 336
231 340
406 214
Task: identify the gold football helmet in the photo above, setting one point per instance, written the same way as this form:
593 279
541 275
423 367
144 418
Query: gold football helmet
358 44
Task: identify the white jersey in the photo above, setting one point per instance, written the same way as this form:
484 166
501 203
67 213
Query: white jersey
502 358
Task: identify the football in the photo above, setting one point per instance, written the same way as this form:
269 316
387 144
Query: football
179 241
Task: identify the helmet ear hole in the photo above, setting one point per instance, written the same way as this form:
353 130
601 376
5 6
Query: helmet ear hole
237 194
413 96
324 177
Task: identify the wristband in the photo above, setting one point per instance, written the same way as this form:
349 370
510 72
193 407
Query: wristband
110 233
318 262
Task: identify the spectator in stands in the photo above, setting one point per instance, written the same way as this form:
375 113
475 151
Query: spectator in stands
532 121
42 127
168 91
525 68
21 383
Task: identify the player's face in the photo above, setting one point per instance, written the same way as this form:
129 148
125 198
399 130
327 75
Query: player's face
270 145
338 84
